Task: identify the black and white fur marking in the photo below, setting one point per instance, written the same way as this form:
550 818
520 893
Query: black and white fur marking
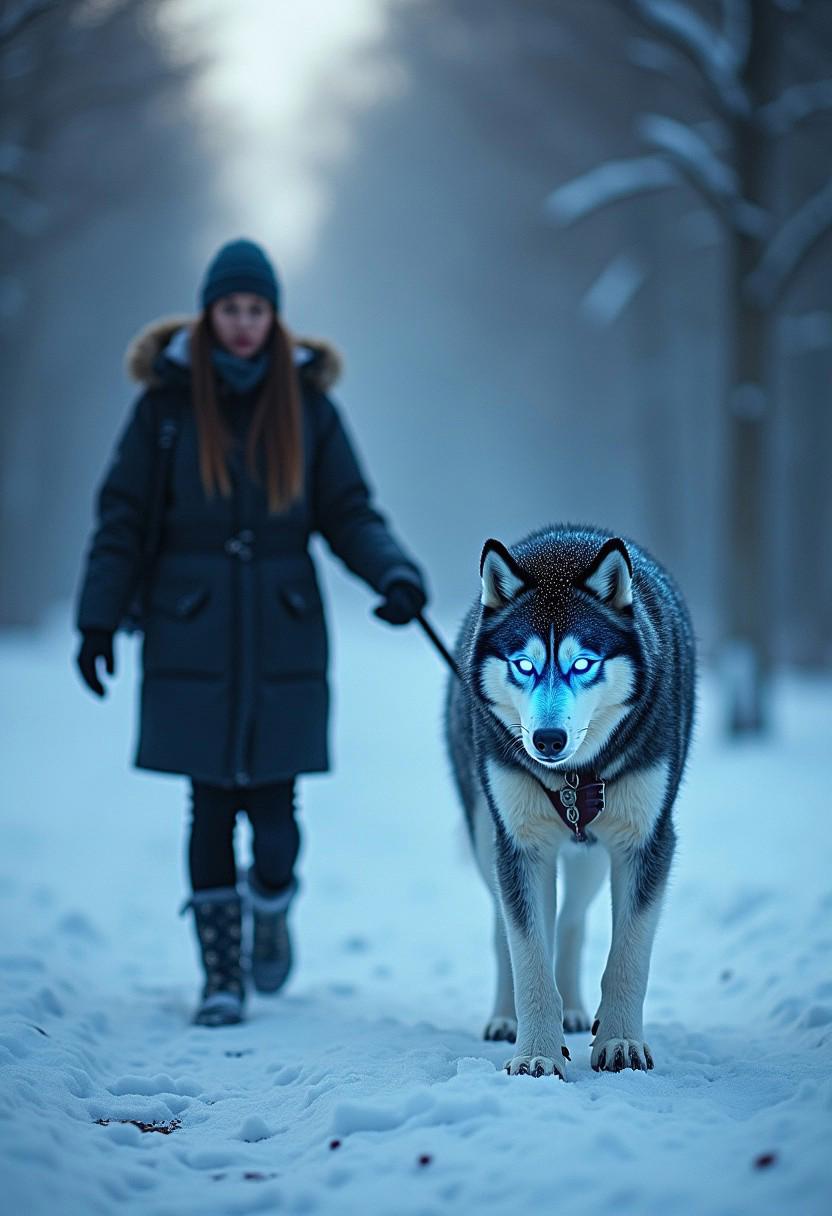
578 657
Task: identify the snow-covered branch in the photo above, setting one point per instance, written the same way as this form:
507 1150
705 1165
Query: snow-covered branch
608 183
613 290
789 248
718 56
691 152
795 104
698 163
736 30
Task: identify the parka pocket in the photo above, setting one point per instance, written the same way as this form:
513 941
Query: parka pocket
301 599
176 601
294 630
183 631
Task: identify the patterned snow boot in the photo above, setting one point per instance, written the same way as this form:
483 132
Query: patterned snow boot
271 946
218 924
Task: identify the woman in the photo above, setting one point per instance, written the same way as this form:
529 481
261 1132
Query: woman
234 691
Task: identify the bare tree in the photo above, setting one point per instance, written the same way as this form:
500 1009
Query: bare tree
83 90
68 62
754 101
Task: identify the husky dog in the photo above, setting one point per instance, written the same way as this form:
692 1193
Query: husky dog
568 729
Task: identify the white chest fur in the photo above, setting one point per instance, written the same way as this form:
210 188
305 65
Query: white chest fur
633 803
527 814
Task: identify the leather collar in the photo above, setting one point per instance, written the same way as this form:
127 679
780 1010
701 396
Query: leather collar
578 804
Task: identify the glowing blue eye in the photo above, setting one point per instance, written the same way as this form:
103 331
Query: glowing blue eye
526 666
582 666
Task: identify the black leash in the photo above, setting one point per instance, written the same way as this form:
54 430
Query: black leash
439 644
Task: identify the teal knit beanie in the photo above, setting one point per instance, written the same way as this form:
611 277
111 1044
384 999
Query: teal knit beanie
240 266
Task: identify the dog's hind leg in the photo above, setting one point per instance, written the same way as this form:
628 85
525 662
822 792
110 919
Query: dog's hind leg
584 869
502 1025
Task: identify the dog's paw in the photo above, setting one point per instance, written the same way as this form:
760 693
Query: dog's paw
575 1021
538 1066
501 1030
614 1055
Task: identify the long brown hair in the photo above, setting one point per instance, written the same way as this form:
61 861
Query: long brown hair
275 427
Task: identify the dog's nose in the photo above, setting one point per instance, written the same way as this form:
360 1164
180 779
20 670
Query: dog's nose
549 742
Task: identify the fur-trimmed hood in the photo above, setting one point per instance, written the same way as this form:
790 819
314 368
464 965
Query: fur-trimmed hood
322 371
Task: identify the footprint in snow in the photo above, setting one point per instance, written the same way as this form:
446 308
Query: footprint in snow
21 963
342 989
78 1082
326 1085
76 925
745 905
815 1016
287 1074
787 1010
355 945
47 1002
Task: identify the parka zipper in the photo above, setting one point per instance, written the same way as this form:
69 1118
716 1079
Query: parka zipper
241 546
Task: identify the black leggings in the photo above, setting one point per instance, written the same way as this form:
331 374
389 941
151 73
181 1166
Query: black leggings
276 838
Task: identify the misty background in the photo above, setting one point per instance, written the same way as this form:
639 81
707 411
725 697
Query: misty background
576 256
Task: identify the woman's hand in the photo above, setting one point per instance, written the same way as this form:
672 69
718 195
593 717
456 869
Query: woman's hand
402 602
96 644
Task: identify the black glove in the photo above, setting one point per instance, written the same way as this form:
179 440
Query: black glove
96 644
402 602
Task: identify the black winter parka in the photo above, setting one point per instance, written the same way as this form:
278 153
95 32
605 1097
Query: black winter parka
234 656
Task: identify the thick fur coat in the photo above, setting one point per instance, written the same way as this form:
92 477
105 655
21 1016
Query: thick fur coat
577 667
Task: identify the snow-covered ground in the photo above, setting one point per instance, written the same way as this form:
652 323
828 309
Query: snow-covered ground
365 1087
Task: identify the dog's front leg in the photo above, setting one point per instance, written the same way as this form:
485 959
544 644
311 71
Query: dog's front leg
638 876
526 881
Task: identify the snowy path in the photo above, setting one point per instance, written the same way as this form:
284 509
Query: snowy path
365 1087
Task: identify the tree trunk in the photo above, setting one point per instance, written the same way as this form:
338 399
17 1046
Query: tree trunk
746 648
807 570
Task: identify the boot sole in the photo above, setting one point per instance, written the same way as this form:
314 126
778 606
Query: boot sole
221 1009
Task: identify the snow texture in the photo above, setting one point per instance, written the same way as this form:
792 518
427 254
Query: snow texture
613 290
365 1087
607 183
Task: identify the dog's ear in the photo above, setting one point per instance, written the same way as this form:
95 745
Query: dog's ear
610 577
502 578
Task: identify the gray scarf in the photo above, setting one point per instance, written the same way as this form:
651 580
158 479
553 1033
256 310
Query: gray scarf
239 373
